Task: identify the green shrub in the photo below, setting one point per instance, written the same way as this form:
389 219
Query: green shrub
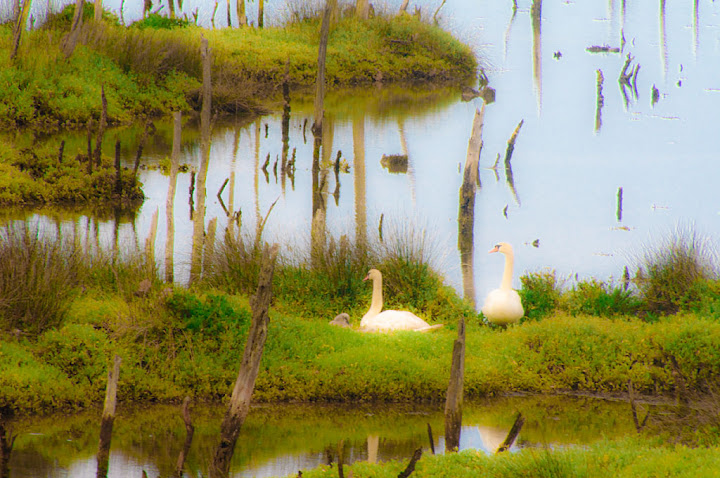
208 315
156 21
593 297
540 294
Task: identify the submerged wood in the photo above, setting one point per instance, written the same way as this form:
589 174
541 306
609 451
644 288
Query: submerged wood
108 417
245 383
512 434
454 398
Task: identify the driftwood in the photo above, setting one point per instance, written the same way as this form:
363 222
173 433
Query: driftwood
245 383
512 434
454 399
108 418
189 432
411 466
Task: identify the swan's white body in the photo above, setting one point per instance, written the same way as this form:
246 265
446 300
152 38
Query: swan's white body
377 320
503 306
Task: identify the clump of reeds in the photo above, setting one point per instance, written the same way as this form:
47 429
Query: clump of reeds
668 275
540 293
37 277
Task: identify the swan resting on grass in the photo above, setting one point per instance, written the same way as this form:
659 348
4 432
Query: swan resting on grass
377 320
503 306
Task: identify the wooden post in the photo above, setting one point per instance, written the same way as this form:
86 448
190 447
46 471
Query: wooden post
101 128
70 40
512 434
138 155
245 383
98 10
454 399
242 17
430 437
411 466
108 418
189 432
170 201
118 171
19 27
261 13
362 9
320 82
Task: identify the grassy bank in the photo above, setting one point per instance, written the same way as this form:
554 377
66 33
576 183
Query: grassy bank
630 457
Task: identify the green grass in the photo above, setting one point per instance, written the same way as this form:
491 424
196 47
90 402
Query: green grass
629 457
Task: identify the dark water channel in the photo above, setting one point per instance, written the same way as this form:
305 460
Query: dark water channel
280 440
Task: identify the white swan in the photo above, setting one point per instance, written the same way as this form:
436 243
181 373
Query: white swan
376 321
503 306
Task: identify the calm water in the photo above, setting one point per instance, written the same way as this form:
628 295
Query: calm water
280 440
571 157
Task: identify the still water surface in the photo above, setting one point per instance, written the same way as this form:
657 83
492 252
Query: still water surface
560 203
281 440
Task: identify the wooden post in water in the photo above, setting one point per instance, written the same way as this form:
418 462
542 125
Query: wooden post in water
245 383
108 418
454 398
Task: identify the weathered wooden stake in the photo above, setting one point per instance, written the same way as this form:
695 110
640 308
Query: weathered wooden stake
430 437
454 399
411 466
340 460
19 27
70 40
118 171
619 203
245 383
512 434
101 128
108 418
189 432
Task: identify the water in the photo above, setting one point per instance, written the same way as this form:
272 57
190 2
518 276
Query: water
279 440
571 157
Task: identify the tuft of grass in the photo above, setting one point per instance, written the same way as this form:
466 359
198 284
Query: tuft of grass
37 276
156 21
670 276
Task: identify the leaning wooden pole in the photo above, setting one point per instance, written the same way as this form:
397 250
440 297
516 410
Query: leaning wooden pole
242 392
454 399
108 418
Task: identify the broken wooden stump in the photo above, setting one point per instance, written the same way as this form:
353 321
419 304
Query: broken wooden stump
512 434
108 417
411 466
242 392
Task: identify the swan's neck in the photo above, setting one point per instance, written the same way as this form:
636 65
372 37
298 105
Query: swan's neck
377 298
506 283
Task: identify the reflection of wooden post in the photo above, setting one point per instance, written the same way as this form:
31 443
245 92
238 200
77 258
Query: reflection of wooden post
118 171
150 241
320 82
454 398
101 128
285 124
108 418
170 201
7 440
245 383
199 216
358 125
512 434
189 432
536 16
373 443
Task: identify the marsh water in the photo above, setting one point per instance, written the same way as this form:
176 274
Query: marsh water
282 440
601 169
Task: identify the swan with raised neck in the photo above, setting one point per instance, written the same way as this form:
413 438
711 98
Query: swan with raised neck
503 306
